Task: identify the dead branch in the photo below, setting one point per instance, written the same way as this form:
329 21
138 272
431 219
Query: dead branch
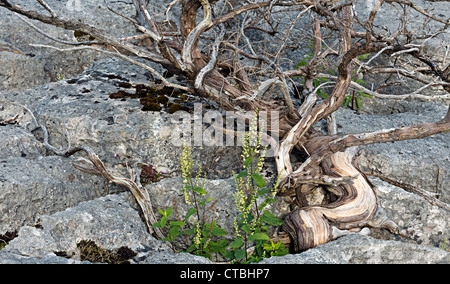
12 120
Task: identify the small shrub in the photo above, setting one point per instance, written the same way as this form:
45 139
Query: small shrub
444 245
251 226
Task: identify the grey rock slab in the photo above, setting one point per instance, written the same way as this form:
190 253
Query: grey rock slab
17 142
109 221
82 107
45 185
10 258
20 71
359 249
428 224
172 258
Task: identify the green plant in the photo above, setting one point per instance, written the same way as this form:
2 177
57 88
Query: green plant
253 223
444 244
203 233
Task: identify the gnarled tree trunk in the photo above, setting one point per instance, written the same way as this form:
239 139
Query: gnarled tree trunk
207 53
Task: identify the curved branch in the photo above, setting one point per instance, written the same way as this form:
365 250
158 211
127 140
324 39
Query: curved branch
191 43
339 143
212 63
413 95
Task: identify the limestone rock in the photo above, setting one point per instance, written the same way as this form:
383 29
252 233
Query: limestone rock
359 249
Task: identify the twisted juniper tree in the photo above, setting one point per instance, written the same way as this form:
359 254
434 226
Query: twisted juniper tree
220 48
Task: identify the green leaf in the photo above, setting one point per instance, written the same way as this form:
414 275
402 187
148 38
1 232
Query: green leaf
218 246
248 161
304 62
177 223
271 219
175 231
191 212
363 56
241 174
237 243
164 221
246 228
169 212
200 190
347 101
239 254
259 236
227 254
361 93
190 232
157 225
259 180
263 191
361 82
358 102
218 232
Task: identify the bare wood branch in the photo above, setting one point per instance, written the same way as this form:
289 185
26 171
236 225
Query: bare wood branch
54 38
92 31
413 95
148 17
213 61
314 225
381 136
191 42
47 7
12 120
420 10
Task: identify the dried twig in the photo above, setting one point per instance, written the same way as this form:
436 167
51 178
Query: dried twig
12 120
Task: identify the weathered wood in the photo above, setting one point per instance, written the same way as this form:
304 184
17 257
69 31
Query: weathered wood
12 120
313 225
